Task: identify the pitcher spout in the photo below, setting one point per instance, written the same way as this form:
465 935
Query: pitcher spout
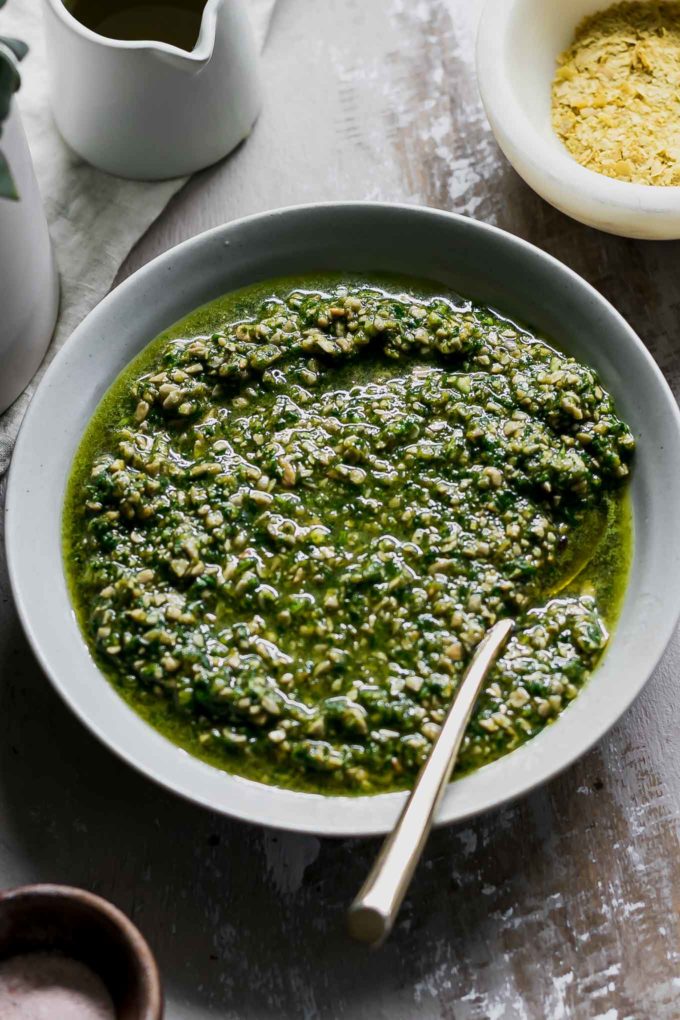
192 61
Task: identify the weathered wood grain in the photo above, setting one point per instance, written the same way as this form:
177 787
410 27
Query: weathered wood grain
563 905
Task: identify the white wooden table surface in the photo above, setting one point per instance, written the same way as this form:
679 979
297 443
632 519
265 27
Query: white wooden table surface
563 905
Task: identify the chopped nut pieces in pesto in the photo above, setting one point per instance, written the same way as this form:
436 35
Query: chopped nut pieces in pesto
285 539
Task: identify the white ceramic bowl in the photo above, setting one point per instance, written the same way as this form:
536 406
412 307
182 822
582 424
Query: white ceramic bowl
478 261
517 49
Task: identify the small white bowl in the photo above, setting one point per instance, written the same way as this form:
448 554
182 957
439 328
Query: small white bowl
518 44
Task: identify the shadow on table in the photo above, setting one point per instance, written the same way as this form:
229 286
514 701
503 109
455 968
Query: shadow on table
251 923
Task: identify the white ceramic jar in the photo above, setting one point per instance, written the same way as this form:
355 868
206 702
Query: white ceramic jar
148 110
29 285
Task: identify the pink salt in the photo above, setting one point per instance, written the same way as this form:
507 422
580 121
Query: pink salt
47 986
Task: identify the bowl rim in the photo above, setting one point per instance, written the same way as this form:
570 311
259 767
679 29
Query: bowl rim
509 119
490 787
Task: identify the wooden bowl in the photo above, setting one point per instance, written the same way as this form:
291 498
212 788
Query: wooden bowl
89 929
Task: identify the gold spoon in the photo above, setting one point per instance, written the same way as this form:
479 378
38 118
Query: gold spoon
373 912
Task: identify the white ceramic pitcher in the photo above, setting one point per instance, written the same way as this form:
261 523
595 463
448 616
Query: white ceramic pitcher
149 110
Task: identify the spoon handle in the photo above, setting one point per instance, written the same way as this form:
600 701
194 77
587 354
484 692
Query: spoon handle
373 912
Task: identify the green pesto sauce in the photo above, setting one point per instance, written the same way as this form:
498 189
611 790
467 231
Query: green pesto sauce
296 513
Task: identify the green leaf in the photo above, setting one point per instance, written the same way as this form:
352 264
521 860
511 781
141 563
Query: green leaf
2 3
9 79
7 186
18 48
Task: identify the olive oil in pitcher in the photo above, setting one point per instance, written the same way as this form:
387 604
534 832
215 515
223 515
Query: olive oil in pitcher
177 22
